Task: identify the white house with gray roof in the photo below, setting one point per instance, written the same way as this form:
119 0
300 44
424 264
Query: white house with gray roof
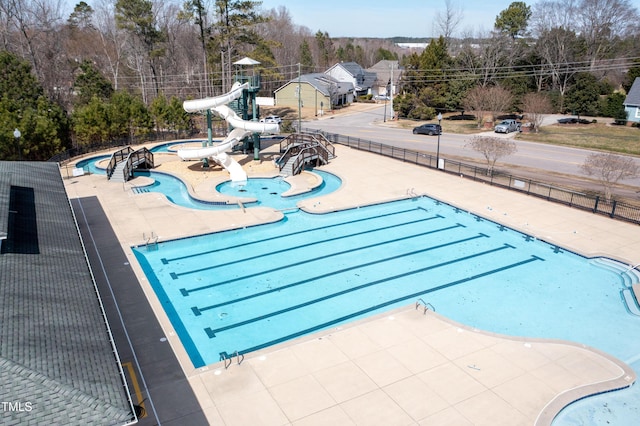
632 102
351 72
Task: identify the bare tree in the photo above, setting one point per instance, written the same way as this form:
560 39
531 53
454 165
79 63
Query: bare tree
483 100
558 49
449 20
499 100
112 39
550 14
493 57
536 106
475 101
602 22
492 149
609 169
35 24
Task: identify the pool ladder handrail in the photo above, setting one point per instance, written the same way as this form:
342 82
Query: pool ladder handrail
426 306
229 359
151 242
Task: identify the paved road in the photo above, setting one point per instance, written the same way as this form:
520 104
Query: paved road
531 156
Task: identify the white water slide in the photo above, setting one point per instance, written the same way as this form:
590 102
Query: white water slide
241 129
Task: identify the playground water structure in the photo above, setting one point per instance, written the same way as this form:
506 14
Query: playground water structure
313 272
241 129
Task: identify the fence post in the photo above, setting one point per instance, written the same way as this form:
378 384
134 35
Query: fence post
595 206
613 208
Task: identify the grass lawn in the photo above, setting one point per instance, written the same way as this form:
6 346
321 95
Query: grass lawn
597 136
622 139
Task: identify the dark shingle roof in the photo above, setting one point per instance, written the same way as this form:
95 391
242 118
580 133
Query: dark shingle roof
55 351
633 97
323 83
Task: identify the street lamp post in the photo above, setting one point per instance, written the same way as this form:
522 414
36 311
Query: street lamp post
17 134
438 148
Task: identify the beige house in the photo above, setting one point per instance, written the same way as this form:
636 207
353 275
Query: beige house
317 90
386 71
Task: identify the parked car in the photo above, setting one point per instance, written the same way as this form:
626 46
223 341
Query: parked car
272 119
573 120
507 126
428 129
381 98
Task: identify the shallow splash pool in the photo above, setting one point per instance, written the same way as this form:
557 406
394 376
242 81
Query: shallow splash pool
265 191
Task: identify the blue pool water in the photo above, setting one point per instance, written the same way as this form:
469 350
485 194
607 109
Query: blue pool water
247 289
266 191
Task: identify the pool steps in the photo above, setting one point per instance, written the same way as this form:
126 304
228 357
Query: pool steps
630 299
631 280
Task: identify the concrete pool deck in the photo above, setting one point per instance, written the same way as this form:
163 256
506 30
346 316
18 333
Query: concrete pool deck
404 367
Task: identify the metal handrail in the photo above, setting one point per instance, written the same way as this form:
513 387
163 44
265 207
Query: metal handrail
301 138
116 158
426 305
134 159
306 154
303 147
229 359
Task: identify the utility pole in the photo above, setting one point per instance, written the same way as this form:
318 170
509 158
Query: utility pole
391 92
299 100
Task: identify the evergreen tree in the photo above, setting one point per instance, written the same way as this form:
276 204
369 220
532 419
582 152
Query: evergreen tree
90 83
43 125
514 19
234 33
306 58
583 97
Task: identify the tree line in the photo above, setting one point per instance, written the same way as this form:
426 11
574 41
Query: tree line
121 68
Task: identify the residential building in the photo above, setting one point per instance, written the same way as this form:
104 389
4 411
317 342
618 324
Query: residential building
632 102
317 90
388 75
351 72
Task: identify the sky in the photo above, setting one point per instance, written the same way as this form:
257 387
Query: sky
390 18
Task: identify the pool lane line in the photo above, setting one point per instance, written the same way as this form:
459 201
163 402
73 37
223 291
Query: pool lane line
212 332
186 292
383 305
198 311
166 261
306 245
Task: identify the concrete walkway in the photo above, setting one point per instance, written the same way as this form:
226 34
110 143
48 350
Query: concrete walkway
405 367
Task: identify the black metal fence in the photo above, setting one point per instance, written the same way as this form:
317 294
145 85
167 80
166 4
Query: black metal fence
596 204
